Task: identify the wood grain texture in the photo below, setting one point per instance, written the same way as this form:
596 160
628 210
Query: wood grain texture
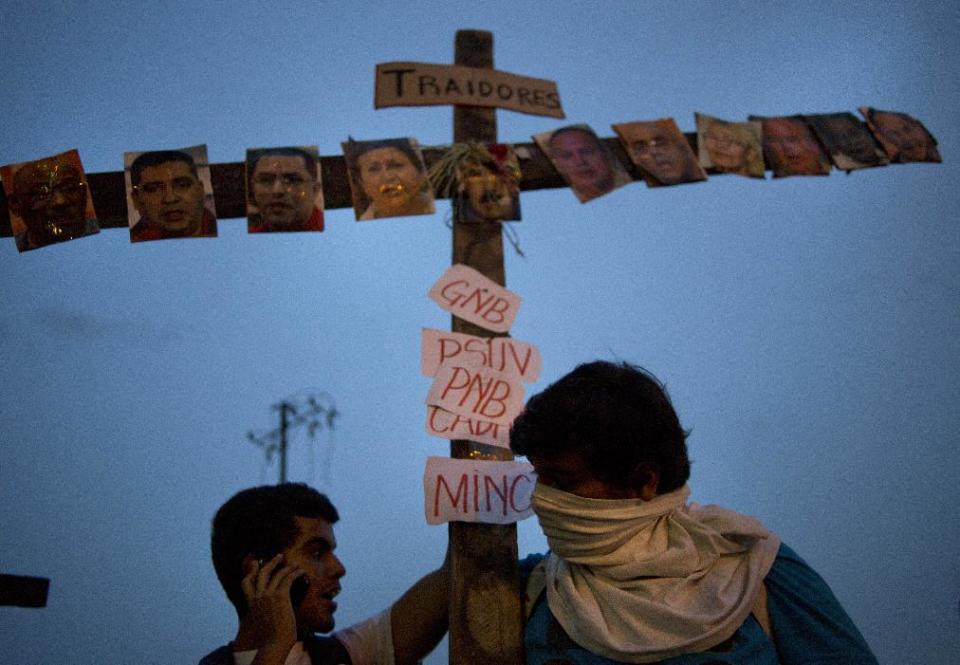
485 621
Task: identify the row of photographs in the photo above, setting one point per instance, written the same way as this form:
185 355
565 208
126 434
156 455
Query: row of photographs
169 192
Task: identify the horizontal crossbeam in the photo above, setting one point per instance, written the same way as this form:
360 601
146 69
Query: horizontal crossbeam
110 199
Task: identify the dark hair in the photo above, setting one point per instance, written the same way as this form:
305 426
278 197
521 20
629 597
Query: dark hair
583 129
352 151
254 157
156 158
617 417
260 522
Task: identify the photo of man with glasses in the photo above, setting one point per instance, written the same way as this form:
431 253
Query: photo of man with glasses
661 151
49 201
284 192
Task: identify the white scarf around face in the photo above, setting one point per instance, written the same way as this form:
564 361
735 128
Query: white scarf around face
640 581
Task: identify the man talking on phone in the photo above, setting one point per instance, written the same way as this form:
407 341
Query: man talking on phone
274 553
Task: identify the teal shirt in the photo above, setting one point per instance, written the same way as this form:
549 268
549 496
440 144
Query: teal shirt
809 627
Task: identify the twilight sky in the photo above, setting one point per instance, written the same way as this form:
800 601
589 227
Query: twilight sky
808 329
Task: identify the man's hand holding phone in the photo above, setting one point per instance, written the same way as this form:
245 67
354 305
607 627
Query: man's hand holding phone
270 622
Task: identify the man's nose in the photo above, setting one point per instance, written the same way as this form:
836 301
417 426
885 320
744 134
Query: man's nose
170 193
278 187
58 199
337 570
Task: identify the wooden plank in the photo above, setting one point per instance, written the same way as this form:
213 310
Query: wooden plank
110 199
425 84
485 621
20 591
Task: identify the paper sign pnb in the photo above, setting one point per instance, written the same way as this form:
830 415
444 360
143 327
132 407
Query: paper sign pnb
421 84
477 392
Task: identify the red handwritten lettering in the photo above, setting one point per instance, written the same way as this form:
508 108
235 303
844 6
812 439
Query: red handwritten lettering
495 313
498 393
444 343
461 487
521 366
488 484
513 493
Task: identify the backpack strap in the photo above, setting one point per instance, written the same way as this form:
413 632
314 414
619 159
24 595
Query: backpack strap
760 612
536 585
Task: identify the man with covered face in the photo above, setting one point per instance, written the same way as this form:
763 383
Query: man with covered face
284 188
636 574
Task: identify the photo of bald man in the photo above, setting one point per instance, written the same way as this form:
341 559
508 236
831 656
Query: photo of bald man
49 201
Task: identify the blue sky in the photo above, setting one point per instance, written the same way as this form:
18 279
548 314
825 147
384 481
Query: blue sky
807 329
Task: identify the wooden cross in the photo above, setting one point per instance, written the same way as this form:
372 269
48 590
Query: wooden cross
485 621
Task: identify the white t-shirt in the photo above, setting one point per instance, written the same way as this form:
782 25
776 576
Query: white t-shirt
369 642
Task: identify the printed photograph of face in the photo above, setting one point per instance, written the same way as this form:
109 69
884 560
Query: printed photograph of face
902 137
388 179
284 192
583 161
790 148
49 201
169 194
847 140
661 152
730 147
489 186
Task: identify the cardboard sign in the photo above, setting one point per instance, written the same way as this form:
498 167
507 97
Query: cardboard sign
466 293
502 354
446 425
478 393
422 84
457 490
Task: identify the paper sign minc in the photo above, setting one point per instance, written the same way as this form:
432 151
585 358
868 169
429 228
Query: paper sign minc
457 490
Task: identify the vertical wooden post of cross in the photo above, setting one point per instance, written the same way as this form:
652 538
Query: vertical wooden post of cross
485 622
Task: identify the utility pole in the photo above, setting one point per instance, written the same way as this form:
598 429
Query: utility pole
295 412
485 621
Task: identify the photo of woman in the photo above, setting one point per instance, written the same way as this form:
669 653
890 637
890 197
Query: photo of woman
388 179
730 147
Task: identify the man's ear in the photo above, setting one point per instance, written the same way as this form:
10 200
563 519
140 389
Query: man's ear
137 203
647 479
14 202
249 564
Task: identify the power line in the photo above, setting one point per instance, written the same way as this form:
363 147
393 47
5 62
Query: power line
315 413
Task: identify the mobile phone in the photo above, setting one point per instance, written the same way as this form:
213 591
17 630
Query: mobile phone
298 590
